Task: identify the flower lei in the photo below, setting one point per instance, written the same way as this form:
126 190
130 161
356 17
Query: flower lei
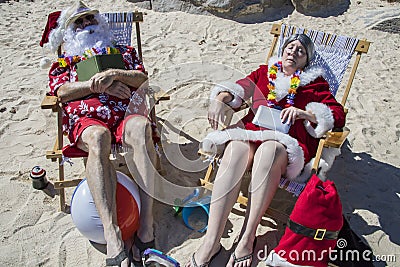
64 61
294 83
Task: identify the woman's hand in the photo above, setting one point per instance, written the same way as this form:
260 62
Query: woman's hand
119 90
216 111
101 81
291 114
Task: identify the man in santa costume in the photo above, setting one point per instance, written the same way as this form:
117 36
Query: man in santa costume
95 117
289 84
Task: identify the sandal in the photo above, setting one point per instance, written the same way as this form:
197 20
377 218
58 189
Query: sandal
237 260
194 264
250 256
142 246
116 261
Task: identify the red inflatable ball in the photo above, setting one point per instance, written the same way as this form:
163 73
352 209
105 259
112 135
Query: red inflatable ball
86 218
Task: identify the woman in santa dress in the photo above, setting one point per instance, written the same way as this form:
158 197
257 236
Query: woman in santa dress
303 96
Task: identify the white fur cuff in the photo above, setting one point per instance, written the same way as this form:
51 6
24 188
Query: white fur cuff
324 118
235 89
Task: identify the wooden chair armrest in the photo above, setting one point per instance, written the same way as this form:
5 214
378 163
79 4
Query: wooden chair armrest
204 155
229 111
161 95
49 102
336 137
67 183
54 154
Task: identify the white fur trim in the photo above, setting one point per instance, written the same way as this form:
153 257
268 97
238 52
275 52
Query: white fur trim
282 82
310 74
295 153
328 156
235 89
56 35
306 77
275 260
45 63
273 60
324 116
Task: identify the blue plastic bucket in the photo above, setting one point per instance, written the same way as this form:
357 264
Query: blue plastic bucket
195 214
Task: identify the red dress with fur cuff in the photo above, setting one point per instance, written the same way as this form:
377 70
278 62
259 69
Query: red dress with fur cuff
317 90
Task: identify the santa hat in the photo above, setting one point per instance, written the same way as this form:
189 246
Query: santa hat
312 229
57 23
50 25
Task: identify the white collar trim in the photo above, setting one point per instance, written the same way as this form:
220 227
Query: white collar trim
282 83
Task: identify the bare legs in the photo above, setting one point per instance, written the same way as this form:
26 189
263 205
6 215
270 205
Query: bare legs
101 177
270 161
138 139
226 189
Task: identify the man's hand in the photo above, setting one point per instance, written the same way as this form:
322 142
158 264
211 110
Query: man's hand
119 90
101 81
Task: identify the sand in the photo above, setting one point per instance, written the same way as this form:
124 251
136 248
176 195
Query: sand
183 53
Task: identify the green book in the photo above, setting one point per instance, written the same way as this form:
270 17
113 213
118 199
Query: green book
98 63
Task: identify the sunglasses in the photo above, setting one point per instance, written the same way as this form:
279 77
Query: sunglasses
79 21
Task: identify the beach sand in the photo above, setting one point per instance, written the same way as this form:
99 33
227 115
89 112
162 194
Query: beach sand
183 53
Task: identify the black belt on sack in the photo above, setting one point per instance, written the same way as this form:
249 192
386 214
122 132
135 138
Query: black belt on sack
317 234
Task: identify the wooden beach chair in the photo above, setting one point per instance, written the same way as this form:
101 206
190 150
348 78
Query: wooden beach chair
121 24
334 53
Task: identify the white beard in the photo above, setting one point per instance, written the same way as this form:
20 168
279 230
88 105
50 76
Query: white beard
76 43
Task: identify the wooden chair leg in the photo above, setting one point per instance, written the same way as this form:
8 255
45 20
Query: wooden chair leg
318 156
209 172
206 182
61 190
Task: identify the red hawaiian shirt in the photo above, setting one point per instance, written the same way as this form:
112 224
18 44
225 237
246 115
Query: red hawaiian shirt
104 107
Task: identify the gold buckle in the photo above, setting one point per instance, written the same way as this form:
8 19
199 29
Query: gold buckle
317 233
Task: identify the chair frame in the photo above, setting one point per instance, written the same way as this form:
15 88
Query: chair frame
334 138
53 103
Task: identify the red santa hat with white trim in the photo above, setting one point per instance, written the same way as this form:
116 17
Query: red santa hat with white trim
57 23
312 229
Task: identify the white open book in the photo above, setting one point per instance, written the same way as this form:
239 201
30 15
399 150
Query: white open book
270 118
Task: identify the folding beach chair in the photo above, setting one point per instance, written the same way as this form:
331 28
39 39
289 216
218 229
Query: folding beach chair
121 25
334 54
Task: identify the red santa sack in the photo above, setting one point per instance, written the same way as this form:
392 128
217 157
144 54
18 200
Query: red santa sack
312 229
